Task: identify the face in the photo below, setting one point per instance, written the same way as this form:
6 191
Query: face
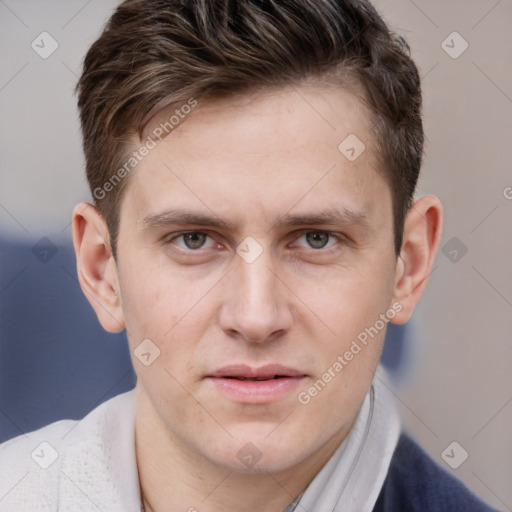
252 253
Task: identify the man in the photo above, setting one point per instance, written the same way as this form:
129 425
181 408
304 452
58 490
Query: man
253 165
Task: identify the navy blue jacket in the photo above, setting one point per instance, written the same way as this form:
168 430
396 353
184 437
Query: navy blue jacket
415 483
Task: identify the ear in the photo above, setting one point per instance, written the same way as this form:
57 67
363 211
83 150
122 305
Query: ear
96 266
422 234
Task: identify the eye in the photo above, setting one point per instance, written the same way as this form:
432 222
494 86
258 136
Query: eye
192 240
317 240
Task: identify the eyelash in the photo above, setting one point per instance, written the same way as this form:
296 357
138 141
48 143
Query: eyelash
338 237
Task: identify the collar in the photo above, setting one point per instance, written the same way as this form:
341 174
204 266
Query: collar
353 477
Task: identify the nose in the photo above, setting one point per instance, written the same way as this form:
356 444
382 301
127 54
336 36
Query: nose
255 307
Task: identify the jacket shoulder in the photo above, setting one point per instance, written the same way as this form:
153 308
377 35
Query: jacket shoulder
32 461
416 483
36 467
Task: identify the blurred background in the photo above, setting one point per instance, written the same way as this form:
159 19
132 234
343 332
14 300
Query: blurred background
453 383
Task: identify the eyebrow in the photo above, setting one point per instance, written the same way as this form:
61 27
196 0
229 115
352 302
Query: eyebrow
344 218
182 217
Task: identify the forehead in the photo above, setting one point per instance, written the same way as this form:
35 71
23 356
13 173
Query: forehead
270 152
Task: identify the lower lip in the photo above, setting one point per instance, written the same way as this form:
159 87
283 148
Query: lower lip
257 391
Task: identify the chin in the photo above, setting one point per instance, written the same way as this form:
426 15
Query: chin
258 454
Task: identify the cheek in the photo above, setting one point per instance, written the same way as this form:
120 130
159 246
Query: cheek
174 313
345 361
148 306
345 304
154 298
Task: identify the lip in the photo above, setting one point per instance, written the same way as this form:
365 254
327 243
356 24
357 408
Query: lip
251 385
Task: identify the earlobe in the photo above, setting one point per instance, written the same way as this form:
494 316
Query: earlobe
96 266
422 234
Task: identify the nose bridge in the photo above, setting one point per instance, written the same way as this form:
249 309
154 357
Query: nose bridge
257 308
257 284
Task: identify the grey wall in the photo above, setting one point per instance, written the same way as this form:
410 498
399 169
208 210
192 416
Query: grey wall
459 387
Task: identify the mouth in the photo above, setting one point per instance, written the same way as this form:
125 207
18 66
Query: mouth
245 372
251 385
257 378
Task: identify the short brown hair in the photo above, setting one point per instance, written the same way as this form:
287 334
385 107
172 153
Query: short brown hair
155 54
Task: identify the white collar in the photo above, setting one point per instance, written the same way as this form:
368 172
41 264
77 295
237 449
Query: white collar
353 477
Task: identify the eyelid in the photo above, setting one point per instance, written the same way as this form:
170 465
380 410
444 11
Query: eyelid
170 238
176 234
338 236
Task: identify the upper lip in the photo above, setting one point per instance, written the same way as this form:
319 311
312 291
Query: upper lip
242 371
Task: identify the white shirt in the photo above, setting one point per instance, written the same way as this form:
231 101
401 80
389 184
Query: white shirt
90 465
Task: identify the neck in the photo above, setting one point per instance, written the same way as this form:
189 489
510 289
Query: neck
173 478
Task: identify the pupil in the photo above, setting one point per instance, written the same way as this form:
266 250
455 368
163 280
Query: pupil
194 240
317 240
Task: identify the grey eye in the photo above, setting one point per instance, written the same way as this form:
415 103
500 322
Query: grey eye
194 240
317 239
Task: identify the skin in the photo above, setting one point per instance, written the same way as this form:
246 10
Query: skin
252 161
